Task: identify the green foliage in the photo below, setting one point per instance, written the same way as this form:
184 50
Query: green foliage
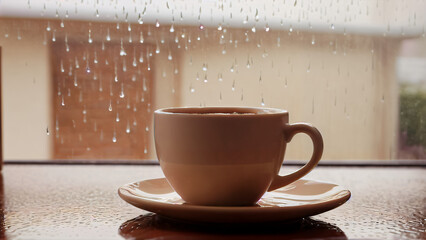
413 116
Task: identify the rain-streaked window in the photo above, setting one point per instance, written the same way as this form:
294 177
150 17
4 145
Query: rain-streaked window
82 78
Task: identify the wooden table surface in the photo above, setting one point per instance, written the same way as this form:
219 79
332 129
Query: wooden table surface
81 202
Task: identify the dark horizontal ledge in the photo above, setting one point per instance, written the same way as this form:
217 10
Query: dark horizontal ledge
323 163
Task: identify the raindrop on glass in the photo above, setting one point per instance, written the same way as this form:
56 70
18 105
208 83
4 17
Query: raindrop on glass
135 63
122 91
140 20
144 87
245 21
264 54
90 40
219 77
157 50
110 106
128 127
141 40
122 51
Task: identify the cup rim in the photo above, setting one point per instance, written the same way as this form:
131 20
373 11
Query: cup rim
187 111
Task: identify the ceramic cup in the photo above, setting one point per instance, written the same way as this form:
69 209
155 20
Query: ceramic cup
227 156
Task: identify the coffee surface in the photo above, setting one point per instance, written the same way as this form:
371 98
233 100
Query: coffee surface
225 113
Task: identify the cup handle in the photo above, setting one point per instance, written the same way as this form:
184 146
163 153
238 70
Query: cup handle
289 131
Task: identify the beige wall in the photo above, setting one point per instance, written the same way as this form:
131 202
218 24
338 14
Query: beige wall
26 96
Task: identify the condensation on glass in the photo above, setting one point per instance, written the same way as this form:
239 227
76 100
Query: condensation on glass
81 79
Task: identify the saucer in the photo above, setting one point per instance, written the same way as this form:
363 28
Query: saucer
300 199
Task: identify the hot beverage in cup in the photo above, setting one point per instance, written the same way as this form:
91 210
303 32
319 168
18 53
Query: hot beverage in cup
227 156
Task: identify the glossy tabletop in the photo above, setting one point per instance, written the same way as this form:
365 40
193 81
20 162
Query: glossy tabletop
81 202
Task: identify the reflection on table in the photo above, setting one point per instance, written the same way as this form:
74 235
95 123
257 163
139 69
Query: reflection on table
153 226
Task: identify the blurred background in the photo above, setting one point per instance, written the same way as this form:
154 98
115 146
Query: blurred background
82 78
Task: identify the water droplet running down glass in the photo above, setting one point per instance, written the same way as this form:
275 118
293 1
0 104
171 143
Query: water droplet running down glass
108 36
140 19
122 91
128 127
122 51
110 106
90 40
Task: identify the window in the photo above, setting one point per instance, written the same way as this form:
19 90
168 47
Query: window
81 79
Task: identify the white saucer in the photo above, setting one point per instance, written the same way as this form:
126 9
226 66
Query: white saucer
302 198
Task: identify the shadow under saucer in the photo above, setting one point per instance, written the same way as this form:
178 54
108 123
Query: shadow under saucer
153 226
